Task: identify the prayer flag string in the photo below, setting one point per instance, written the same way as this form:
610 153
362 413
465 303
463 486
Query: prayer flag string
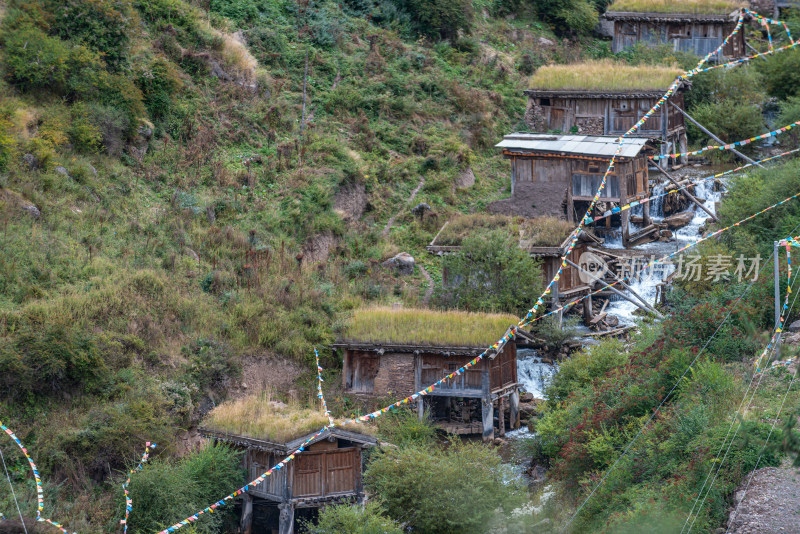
128 501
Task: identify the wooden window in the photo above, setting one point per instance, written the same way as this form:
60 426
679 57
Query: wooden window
628 28
586 185
523 169
544 102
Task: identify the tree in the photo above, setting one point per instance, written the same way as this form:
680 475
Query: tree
491 273
441 490
368 519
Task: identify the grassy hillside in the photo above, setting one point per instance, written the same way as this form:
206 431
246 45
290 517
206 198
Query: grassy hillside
167 217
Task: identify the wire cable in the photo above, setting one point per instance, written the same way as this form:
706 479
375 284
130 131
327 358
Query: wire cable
664 400
12 492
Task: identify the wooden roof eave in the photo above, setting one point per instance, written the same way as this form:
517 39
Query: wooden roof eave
355 437
641 16
383 347
602 93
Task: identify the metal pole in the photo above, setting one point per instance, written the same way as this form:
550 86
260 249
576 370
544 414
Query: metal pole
775 250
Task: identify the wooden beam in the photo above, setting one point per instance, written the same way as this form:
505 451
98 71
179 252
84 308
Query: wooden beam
687 194
714 137
643 304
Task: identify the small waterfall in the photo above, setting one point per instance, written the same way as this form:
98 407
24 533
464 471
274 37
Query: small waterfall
657 205
532 373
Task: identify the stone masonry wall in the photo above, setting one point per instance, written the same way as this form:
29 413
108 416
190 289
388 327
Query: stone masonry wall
395 375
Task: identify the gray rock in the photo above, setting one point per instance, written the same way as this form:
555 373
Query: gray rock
94 171
30 160
192 254
62 170
612 320
679 220
526 397
465 179
544 41
420 209
145 131
32 210
403 263
794 327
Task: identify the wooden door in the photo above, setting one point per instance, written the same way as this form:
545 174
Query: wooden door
341 471
308 480
557 119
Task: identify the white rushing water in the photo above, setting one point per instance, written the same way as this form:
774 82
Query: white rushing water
532 373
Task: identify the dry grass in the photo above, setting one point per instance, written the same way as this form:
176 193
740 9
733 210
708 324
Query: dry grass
260 417
604 74
539 232
705 7
427 327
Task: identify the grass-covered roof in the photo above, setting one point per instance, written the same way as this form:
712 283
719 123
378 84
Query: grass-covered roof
604 74
538 232
411 326
700 7
260 417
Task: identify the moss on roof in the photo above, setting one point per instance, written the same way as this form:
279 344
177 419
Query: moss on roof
260 417
412 326
604 75
700 7
538 232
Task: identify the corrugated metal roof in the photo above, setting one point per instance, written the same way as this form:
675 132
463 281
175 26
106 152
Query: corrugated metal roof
572 144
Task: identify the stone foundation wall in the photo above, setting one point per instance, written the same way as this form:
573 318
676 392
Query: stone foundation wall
590 125
395 375
534 117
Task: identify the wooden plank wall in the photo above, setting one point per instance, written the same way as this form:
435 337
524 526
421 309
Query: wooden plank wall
696 38
326 473
435 366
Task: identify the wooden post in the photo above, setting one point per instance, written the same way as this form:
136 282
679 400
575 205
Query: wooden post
776 249
513 402
687 194
418 385
286 521
488 419
714 137
246 524
487 412
587 309
643 304
501 417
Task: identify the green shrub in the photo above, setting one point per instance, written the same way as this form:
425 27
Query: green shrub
568 16
440 18
159 82
403 427
83 133
781 73
103 26
367 519
730 121
490 273
49 359
465 485
200 479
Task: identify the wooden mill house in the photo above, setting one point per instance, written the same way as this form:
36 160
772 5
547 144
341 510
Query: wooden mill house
327 472
394 353
558 175
695 27
545 238
606 98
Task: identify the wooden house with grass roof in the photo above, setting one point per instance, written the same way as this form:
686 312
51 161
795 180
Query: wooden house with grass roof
393 353
607 98
546 238
327 472
695 26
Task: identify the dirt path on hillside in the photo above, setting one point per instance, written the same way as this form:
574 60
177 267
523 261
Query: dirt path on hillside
770 505
428 292
409 200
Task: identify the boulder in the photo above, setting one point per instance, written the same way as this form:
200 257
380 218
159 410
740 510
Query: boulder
526 397
679 220
666 233
30 160
420 209
465 179
62 170
544 41
794 327
31 210
403 263
611 321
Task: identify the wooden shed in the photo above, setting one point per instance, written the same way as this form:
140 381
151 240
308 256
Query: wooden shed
545 238
607 98
415 348
699 28
559 175
327 472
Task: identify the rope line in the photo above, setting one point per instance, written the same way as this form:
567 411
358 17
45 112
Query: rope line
636 203
128 501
